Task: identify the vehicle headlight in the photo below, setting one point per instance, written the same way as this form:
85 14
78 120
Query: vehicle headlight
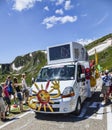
68 92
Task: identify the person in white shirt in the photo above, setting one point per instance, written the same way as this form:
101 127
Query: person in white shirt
24 88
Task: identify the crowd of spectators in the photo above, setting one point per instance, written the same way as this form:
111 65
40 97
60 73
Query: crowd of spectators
13 92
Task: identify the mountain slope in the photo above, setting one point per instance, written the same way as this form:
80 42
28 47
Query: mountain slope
103 47
29 64
98 41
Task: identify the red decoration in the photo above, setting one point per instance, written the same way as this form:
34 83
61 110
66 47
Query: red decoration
87 73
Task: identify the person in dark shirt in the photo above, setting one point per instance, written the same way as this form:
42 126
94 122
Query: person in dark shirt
10 88
18 90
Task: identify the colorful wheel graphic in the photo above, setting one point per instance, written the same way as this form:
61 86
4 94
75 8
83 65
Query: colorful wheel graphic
42 100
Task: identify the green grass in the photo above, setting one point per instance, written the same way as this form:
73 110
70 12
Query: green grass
16 111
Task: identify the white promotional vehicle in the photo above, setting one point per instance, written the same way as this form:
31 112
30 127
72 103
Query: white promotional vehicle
61 86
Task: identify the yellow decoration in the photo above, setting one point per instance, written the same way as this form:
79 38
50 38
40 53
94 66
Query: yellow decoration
31 103
97 75
96 58
43 97
55 86
92 81
36 86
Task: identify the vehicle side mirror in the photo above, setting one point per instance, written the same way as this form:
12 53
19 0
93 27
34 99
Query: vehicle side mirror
82 77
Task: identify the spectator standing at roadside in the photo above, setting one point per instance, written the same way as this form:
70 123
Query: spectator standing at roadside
17 87
110 91
7 99
10 88
106 85
2 106
24 88
33 80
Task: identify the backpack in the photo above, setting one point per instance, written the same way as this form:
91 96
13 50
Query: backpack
9 88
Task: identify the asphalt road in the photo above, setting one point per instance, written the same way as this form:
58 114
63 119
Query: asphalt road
94 115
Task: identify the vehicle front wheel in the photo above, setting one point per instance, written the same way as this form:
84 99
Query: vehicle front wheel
78 107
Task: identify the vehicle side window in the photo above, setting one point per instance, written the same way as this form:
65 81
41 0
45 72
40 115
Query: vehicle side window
44 73
83 69
79 71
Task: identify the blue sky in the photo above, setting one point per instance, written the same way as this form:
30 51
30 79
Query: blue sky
31 25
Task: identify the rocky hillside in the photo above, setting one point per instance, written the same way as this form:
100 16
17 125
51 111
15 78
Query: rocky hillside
29 64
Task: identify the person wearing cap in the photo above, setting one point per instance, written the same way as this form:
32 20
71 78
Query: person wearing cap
106 82
24 88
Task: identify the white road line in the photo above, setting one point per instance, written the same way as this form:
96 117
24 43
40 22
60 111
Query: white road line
109 118
18 117
99 114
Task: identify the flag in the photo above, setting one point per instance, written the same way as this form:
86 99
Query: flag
99 67
96 58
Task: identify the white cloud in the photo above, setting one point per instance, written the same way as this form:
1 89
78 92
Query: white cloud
59 11
49 25
66 19
51 21
85 41
68 5
20 5
59 2
46 8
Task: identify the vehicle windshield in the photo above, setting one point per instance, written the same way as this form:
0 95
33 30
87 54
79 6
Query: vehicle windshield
65 72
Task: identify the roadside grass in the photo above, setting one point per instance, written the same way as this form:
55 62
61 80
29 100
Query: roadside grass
15 110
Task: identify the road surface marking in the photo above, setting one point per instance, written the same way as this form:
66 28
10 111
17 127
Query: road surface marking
99 114
13 120
109 118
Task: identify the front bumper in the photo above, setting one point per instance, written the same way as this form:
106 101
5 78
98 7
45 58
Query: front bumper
60 105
